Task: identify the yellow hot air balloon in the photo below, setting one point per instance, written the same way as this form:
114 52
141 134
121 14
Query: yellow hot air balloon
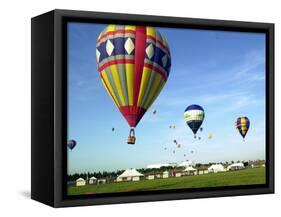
134 64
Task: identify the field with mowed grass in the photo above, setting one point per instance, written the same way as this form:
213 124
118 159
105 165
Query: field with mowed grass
229 178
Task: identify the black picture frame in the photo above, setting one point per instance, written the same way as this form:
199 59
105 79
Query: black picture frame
49 107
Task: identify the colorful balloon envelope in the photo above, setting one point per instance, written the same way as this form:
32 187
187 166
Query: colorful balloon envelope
242 124
134 64
71 144
194 116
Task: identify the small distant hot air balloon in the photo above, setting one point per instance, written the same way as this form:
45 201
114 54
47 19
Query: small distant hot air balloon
112 129
174 151
178 145
184 155
199 138
174 126
71 144
154 111
194 116
191 151
170 126
243 125
210 136
134 64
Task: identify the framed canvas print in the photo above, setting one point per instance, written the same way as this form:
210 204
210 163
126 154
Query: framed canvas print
133 108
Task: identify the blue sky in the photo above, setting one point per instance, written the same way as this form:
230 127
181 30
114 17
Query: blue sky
224 72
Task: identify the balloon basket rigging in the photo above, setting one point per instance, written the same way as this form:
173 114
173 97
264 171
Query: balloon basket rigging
131 138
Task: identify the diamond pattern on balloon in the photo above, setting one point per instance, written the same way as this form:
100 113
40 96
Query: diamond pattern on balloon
149 51
129 46
164 60
109 47
98 55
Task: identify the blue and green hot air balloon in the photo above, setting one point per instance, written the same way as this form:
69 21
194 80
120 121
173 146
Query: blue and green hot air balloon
194 116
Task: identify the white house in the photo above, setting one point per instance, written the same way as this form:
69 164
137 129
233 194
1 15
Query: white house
178 174
92 180
215 168
190 170
150 177
80 182
165 175
129 175
158 175
236 166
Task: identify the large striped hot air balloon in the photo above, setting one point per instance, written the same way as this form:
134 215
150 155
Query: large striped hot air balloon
243 125
134 64
194 116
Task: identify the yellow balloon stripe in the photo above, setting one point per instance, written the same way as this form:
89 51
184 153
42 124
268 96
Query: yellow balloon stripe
117 82
160 87
150 31
108 87
243 125
129 27
144 83
153 91
130 73
110 28
115 102
130 82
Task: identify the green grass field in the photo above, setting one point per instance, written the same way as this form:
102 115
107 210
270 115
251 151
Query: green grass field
231 178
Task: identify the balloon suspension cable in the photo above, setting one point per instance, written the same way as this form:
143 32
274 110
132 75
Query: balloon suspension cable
132 131
131 138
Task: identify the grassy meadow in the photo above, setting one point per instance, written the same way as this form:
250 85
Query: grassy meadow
230 178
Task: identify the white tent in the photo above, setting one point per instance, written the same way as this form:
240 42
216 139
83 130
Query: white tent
165 174
236 166
185 163
92 180
129 175
80 182
215 168
190 170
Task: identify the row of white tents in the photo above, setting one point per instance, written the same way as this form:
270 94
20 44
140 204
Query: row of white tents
92 180
133 175
215 168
